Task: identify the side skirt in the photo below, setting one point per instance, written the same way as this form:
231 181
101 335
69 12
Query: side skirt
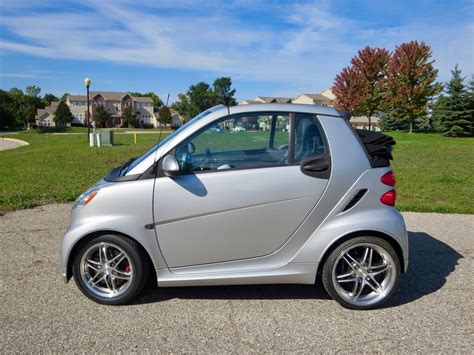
291 273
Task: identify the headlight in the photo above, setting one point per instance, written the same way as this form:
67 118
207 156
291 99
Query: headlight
86 197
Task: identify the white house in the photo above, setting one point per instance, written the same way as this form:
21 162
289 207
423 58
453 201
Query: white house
45 116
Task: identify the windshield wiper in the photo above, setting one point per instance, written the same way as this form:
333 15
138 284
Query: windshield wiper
124 167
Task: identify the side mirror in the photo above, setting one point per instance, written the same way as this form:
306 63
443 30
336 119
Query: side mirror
170 166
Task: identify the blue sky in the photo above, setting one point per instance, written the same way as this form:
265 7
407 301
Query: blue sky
279 48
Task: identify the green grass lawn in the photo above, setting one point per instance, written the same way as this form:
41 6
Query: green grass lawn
57 168
434 173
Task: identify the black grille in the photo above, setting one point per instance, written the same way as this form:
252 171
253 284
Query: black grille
357 197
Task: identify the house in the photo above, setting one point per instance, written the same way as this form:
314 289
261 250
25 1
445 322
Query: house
362 122
324 98
114 103
328 93
176 119
313 99
45 116
250 102
267 100
271 100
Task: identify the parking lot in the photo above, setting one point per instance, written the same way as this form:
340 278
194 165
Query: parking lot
432 312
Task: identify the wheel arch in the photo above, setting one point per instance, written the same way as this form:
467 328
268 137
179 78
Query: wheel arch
363 233
88 237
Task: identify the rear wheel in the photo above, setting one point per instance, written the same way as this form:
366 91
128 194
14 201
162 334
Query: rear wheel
362 273
110 269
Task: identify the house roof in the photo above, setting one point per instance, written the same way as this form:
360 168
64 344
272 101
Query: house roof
272 99
142 99
316 97
328 93
110 95
251 102
77 97
50 110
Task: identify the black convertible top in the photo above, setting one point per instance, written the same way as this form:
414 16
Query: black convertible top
378 146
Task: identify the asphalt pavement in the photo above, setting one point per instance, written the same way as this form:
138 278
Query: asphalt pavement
432 312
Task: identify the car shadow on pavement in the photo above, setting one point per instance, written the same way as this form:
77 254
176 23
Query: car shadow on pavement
431 262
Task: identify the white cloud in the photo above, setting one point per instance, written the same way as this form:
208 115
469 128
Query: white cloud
307 50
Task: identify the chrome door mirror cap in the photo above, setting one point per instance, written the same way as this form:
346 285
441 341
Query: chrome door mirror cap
170 166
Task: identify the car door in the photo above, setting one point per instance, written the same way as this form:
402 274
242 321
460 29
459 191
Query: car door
241 192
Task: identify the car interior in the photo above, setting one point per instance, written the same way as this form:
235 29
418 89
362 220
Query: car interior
258 148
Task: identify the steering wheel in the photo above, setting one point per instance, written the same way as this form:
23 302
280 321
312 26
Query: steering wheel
209 162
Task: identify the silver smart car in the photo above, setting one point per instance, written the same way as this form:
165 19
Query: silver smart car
251 194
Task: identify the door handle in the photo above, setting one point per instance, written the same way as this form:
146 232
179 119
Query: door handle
317 166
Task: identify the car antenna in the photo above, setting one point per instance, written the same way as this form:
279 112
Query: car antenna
161 124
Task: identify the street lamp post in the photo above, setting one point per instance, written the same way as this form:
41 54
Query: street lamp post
87 81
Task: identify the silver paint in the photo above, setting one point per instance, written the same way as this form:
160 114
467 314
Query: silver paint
269 225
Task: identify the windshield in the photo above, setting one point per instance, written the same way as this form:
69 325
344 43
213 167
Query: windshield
137 161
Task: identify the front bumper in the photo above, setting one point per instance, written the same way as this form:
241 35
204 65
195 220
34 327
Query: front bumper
63 274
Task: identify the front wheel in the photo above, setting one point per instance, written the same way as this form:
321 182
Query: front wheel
110 269
362 273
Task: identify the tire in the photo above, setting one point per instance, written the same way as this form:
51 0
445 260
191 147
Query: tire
110 269
362 273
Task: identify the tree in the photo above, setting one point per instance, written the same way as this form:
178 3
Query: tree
201 96
7 117
224 94
410 82
198 98
437 112
347 88
182 106
48 98
164 116
33 90
157 103
101 116
63 115
370 65
128 115
453 113
17 107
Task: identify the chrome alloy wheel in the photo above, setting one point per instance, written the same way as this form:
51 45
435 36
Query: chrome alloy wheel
364 274
106 270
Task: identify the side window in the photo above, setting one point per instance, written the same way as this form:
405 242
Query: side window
309 139
238 142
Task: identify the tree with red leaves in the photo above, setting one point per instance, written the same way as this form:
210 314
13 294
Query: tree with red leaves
360 87
410 82
348 89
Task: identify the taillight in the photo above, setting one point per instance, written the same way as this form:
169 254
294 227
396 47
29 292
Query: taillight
388 178
389 198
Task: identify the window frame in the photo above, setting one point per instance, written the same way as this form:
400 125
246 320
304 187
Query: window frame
233 116
291 140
